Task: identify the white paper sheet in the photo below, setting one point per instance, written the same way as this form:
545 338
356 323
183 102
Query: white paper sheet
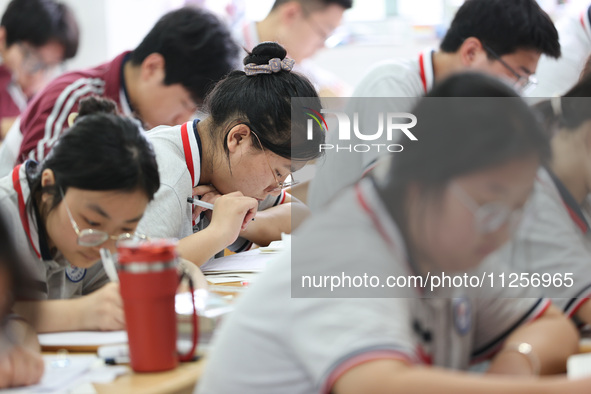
83 338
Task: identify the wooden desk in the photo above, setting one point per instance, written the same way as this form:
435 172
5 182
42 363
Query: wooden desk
179 380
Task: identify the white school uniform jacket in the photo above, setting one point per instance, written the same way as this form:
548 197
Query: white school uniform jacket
409 78
276 343
178 154
557 76
554 238
54 277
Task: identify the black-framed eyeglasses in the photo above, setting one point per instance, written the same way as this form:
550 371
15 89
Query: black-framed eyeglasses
280 185
90 237
524 83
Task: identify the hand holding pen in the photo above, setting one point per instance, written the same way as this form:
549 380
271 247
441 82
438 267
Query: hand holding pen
231 213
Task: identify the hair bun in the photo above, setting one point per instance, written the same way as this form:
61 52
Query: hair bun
265 51
94 105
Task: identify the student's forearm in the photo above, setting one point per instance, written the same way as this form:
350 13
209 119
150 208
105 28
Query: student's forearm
551 354
52 315
201 246
385 377
269 224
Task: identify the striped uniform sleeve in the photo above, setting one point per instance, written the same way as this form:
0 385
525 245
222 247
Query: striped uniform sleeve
328 339
497 318
46 119
243 244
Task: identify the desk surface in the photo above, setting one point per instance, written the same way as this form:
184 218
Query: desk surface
179 380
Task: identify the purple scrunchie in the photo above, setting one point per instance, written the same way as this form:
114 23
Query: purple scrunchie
275 65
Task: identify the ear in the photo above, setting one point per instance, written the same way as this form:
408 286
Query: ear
152 68
290 12
238 138
47 179
471 52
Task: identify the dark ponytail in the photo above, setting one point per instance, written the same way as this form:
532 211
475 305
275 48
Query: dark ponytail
264 102
101 151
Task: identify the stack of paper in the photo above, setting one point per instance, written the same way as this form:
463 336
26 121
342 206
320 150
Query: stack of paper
244 262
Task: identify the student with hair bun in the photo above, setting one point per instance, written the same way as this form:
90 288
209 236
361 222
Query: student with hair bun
238 157
555 238
90 191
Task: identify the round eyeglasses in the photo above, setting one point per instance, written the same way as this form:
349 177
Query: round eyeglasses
90 237
489 217
280 185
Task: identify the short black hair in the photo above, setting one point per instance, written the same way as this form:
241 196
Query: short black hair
316 4
505 26
197 47
39 22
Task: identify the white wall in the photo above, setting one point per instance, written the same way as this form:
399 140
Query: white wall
108 27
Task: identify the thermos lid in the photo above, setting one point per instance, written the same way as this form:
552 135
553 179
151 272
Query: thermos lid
147 251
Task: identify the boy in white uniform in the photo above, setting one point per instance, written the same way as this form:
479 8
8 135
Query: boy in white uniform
507 46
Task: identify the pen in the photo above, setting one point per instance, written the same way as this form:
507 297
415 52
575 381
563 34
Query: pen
117 360
202 204
109 265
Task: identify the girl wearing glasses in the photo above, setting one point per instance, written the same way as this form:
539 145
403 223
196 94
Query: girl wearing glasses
239 157
438 208
90 191
556 238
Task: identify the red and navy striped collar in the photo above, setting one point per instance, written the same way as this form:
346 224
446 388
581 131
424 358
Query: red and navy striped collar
32 224
192 149
571 204
372 204
426 71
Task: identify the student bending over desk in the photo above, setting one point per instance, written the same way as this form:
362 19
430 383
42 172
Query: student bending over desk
238 157
91 190
417 213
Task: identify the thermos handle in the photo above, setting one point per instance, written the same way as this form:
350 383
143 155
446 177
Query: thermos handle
190 355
